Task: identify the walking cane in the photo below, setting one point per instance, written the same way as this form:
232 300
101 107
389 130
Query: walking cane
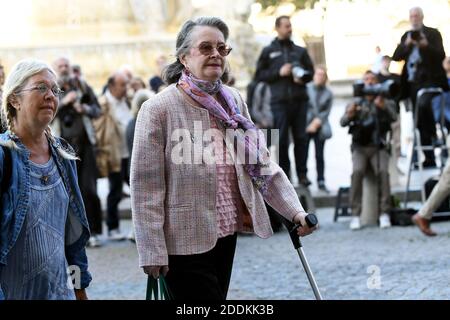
311 221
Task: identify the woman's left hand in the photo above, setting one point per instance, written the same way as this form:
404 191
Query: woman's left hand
304 229
80 294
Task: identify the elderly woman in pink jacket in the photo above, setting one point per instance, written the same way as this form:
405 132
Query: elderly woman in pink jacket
193 184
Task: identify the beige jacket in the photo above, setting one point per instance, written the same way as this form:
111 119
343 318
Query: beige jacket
174 205
109 140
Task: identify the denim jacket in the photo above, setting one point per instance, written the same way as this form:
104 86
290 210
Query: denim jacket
15 201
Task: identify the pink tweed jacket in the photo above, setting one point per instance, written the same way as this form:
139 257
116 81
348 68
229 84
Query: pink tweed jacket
173 204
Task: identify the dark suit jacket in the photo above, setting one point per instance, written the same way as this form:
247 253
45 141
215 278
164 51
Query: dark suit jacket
430 72
272 58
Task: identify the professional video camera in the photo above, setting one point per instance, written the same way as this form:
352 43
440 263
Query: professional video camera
387 89
298 72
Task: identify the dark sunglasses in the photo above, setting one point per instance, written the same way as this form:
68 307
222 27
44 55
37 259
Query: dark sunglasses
207 49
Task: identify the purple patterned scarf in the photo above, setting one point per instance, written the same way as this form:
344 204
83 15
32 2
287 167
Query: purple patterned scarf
202 92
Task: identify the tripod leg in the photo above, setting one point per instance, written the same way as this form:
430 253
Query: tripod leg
411 162
419 152
408 180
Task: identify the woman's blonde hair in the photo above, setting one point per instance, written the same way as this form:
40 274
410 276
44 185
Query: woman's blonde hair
15 82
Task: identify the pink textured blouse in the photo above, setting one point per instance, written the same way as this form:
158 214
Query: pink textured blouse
229 203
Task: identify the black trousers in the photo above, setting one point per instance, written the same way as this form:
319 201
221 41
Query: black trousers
116 180
291 116
204 276
319 145
425 122
87 180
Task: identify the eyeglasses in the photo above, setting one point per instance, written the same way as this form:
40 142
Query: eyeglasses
207 49
43 89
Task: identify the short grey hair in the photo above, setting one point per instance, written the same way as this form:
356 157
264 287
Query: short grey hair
172 72
418 9
59 59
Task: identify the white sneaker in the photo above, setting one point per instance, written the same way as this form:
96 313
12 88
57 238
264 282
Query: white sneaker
385 221
94 242
126 191
355 224
116 235
131 236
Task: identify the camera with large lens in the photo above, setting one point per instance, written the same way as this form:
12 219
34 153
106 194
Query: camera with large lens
298 72
387 89
415 35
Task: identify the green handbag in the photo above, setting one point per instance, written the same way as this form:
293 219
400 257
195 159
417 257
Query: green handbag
157 289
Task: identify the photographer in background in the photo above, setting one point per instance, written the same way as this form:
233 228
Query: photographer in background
422 50
287 68
369 118
78 105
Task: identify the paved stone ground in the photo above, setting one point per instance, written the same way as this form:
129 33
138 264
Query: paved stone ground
345 264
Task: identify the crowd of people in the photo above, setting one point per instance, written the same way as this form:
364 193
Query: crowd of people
283 97
59 137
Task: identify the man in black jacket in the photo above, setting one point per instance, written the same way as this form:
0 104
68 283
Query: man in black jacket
287 67
422 50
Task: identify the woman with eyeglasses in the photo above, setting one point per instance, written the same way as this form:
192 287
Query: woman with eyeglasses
43 225
192 188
